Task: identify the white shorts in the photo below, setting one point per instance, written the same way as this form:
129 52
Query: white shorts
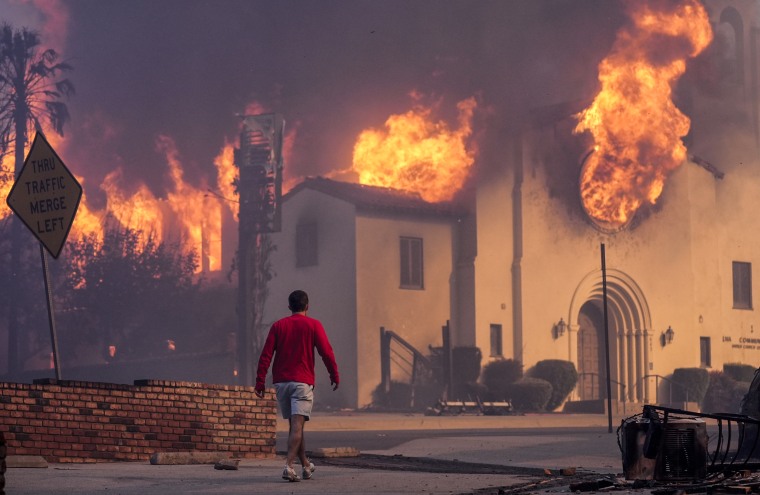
295 398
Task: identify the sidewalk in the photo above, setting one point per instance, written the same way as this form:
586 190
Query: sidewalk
359 420
595 451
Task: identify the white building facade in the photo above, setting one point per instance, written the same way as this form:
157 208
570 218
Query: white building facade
518 272
368 257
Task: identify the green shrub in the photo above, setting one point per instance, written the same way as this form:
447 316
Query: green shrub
724 394
739 372
466 364
530 394
690 384
499 375
561 374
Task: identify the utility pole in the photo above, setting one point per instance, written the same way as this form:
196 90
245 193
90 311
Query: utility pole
259 160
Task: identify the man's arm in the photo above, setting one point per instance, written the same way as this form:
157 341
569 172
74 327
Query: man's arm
325 351
264 359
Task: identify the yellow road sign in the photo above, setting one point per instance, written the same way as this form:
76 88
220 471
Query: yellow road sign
46 196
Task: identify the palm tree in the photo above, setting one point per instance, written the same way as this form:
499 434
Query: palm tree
29 95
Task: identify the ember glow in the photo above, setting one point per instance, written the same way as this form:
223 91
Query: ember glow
416 153
635 125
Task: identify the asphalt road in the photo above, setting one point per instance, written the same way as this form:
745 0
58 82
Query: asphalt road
373 440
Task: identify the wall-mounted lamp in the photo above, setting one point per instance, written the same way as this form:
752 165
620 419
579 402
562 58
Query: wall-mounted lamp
667 336
559 328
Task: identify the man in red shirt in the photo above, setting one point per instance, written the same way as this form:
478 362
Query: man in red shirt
292 341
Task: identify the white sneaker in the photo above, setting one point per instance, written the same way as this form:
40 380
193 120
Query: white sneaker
308 471
290 474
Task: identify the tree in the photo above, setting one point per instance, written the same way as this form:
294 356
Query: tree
27 294
129 291
30 93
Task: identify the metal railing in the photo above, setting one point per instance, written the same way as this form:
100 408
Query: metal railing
581 381
406 357
640 382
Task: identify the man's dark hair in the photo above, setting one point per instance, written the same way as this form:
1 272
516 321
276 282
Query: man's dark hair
298 300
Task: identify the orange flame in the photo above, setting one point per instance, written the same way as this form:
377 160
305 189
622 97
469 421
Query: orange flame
6 183
188 212
86 222
140 210
415 153
226 174
200 214
636 128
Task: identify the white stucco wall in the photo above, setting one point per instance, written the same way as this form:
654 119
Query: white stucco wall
493 264
331 284
354 288
678 255
668 253
738 217
416 315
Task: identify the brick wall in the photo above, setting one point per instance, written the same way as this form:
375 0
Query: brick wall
2 464
72 421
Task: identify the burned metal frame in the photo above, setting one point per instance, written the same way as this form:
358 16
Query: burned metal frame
736 445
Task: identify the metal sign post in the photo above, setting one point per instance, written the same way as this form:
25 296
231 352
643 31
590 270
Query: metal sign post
45 196
51 312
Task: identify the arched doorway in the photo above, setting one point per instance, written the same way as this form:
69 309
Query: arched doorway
590 352
628 324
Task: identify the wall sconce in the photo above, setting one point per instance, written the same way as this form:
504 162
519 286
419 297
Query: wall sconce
667 336
559 328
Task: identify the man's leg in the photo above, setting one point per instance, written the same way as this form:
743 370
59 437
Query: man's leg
296 441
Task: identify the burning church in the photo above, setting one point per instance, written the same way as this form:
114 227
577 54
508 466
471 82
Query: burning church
487 216
658 167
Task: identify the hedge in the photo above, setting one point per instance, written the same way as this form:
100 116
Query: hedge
499 375
690 384
530 394
724 394
561 374
739 372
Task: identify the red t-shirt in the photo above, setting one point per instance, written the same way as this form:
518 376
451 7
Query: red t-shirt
292 341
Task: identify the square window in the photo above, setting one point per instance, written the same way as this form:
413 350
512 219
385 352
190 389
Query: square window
411 263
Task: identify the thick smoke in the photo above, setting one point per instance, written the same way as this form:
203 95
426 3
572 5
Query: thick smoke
184 68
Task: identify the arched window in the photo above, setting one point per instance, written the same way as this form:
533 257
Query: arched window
729 39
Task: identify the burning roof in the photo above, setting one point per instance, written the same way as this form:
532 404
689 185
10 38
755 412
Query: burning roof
378 199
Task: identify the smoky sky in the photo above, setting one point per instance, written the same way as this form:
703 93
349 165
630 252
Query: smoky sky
184 68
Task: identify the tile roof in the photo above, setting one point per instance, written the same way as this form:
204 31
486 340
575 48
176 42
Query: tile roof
379 199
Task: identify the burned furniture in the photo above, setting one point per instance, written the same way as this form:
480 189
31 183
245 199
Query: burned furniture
666 444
